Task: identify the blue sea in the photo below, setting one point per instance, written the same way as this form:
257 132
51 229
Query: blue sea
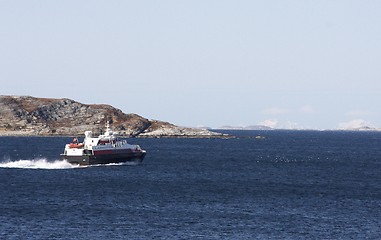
260 185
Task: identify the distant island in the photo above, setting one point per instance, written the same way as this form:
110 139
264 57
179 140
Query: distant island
266 128
31 116
253 127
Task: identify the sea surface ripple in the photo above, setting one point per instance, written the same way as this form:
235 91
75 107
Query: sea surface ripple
260 185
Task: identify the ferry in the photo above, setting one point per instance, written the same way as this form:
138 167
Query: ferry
105 149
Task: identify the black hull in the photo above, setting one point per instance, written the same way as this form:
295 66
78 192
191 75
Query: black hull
104 159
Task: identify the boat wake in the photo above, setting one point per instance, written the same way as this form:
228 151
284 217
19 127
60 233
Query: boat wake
57 164
38 164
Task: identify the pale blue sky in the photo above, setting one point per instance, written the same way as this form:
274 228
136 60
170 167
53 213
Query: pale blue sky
304 63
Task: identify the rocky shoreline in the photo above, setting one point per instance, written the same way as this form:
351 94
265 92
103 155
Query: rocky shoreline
30 116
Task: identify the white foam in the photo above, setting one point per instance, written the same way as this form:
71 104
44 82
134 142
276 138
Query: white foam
38 164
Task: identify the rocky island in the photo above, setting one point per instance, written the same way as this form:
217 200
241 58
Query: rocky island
31 116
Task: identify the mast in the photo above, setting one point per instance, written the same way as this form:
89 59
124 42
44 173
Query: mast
108 130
